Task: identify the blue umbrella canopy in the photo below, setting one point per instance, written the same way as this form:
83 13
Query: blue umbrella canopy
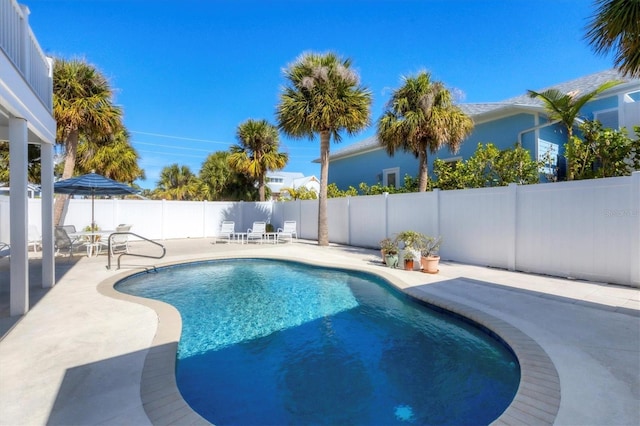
92 184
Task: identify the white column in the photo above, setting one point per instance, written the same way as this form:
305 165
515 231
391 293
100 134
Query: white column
635 229
46 177
18 214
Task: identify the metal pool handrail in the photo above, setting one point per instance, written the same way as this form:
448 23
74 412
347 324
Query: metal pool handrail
164 250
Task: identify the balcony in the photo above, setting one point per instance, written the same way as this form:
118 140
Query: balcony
26 75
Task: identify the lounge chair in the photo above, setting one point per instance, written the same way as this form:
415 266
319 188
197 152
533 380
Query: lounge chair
34 238
64 242
227 231
257 232
5 250
288 230
119 243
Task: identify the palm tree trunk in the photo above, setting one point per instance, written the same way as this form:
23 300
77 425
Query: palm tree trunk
323 227
423 173
261 192
69 166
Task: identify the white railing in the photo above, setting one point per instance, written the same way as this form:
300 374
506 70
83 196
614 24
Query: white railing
582 229
21 47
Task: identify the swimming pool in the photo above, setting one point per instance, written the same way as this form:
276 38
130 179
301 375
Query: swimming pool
273 342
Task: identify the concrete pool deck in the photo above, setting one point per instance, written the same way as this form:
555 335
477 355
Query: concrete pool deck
78 356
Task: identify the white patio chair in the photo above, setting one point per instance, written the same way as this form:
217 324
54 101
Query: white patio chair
119 243
5 250
288 230
227 231
34 238
257 232
65 242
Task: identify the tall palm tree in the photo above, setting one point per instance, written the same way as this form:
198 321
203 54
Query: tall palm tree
257 151
177 183
82 105
114 158
323 96
565 107
421 118
616 26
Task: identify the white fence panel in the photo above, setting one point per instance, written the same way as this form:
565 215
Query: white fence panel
289 210
218 212
477 226
367 220
183 219
338 220
583 229
146 217
255 212
577 229
309 219
413 211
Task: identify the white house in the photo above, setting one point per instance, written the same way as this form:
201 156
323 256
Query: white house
277 181
26 117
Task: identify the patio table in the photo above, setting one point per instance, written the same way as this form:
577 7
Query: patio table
93 246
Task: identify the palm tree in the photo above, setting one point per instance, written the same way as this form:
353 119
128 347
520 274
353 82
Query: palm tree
565 107
82 105
323 96
421 118
616 26
220 183
257 152
114 158
178 183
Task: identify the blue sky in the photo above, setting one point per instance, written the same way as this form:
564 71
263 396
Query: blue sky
188 72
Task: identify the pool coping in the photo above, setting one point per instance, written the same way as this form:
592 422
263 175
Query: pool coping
537 399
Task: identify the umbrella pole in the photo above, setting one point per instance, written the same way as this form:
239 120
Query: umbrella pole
93 222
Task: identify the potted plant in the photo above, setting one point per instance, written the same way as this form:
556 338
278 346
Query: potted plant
91 229
429 259
408 257
411 242
389 251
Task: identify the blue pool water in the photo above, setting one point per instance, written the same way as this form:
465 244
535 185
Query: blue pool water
274 342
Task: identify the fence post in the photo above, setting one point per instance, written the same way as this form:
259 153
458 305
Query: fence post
635 230
512 229
162 218
348 207
204 218
436 191
386 214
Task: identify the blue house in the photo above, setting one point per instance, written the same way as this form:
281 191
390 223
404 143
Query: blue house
520 120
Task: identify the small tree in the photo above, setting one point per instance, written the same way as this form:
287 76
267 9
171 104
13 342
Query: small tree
488 166
602 153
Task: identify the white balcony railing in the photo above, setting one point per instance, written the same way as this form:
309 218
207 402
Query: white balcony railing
21 47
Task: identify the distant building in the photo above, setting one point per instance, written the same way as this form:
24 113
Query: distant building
279 181
521 120
33 191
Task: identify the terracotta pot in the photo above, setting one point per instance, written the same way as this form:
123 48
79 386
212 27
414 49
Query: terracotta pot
430 264
408 265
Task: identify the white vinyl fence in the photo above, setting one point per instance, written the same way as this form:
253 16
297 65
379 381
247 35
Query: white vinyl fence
582 229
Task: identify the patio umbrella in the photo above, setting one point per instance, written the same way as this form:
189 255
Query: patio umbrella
92 184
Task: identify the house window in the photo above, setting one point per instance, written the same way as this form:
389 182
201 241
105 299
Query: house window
391 177
608 118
